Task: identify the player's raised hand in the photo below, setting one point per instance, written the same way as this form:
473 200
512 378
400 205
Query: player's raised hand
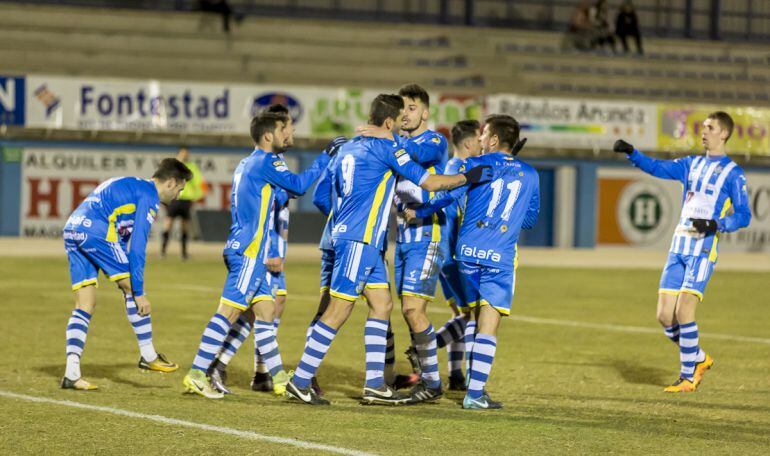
334 145
622 147
143 306
373 131
705 226
478 174
518 146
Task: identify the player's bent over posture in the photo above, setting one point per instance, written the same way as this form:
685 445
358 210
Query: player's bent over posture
714 200
363 179
109 231
248 281
486 251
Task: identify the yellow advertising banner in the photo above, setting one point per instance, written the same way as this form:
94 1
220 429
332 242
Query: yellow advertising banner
680 127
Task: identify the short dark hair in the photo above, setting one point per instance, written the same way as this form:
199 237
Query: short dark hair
385 106
171 168
725 121
464 129
264 123
278 109
505 127
415 92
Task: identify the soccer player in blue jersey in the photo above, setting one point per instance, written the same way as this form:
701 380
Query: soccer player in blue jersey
466 144
109 231
486 250
248 281
714 200
364 181
420 251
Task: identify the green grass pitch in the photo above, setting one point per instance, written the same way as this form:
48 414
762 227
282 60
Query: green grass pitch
565 387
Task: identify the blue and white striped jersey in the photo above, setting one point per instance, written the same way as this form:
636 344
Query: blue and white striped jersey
712 186
496 211
363 179
254 183
453 211
120 210
429 150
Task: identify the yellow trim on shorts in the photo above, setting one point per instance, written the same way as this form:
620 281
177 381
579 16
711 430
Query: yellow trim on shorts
503 312
261 298
121 276
451 302
668 291
692 292
377 286
85 283
417 295
227 302
346 297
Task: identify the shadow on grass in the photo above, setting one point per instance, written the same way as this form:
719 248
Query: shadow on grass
638 374
110 372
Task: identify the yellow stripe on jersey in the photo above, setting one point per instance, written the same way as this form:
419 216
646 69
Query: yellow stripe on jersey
253 249
112 234
516 257
725 208
436 233
379 197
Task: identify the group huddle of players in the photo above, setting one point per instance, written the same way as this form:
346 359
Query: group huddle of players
458 223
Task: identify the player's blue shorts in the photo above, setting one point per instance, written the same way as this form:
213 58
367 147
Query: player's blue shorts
450 284
88 253
356 266
278 284
686 274
327 266
248 281
484 285
417 268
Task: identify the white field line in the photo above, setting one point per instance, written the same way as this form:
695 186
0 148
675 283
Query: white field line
189 424
539 321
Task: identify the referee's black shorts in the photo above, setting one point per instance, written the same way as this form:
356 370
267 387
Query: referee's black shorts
179 209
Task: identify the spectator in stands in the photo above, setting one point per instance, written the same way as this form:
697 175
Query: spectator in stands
602 28
627 25
181 207
218 7
580 33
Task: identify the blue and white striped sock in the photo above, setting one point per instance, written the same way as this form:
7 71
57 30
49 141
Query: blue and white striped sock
142 328
235 337
672 332
455 358
452 331
375 342
688 349
470 336
315 350
483 355
425 343
77 330
264 340
211 342
390 357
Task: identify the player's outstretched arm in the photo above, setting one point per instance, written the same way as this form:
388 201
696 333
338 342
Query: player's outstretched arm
664 169
440 201
278 174
439 182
